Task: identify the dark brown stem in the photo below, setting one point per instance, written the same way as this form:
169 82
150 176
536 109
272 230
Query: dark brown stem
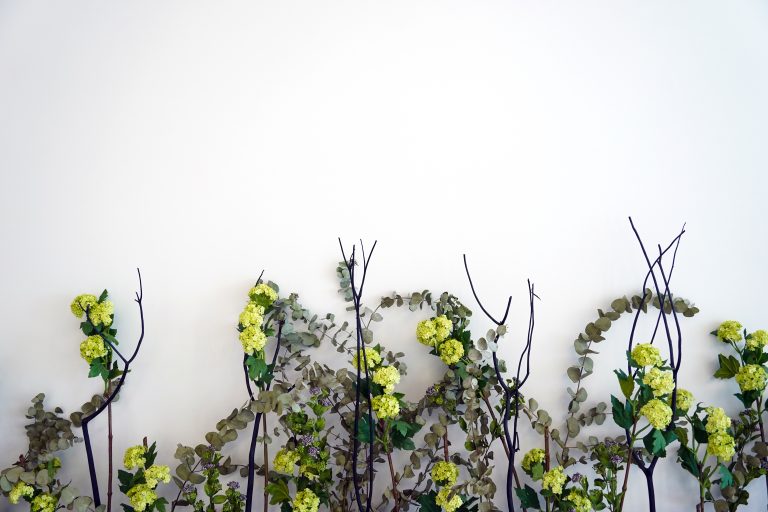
546 457
266 464
493 417
446 455
629 464
395 494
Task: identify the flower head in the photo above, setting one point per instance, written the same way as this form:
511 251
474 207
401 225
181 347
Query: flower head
684 400
141 496
285 461
660 381
757 340
253 339
81 303
658 413
751 377
252 314
157 473
646 354
385 406
445 473
263 295
535 456
93 347
580 502
134 457
372 359
553 480
306 501
387 377
443 327
717 420
448 502
730 330
101 313
232 484
451 351
44 503
19 490
426 333
721 445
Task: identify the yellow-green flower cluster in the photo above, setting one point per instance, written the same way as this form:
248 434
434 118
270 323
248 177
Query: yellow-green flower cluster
646 354
660 381
721 445
451 351
44 503
433 331
253 339
535 456
134 457
387 377
717 420
730 330
385 406
253 314
263 294
553 480
81 303
19 490
751 377
580 502
92 347
285 461
306 501
446 501
684 400
372 359
445 473
101 313
157 473
757 340
658 413
141 496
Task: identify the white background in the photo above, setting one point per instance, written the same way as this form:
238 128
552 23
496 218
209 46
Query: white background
207 141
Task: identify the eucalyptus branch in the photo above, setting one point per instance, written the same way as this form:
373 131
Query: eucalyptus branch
115 390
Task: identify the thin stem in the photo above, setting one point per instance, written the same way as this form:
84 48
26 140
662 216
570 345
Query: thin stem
109 451
446 455
266 464
624 486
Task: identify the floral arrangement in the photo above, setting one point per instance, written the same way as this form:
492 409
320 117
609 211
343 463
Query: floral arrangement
347 438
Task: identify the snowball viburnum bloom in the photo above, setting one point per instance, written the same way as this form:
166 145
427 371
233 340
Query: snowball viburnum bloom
444 499
306 501
662 382
757 340
534 456
721 445
553 480
646 354
385 406
684 400
387 377
751 377
445 473
717 420
657 413
372 359
93 347
451 351
134 457
730 330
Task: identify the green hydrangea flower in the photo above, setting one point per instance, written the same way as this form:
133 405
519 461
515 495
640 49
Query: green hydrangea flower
658 413
730 330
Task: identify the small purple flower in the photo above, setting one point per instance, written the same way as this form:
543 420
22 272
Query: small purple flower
189 488
576 478
431 391
233 485
314 391
764 464
307 440
610 442
313 451
326 401
207 465
615 459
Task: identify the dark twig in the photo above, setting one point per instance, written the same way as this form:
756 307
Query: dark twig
257 424
362 361
511 395
104 405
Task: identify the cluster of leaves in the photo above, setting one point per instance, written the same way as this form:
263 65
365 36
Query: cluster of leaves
214 496
130 480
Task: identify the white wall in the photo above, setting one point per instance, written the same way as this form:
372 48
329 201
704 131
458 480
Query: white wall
206 141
